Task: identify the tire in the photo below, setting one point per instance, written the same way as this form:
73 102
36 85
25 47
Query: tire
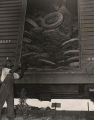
72 59
74 64
32 22
50 16
70 41
68 52
71 44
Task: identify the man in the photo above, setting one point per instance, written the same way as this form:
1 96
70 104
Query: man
6 91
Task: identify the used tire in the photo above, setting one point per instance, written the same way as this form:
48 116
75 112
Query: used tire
48 20
32 22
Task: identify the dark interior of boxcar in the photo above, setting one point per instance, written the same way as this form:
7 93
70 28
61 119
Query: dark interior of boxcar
51 35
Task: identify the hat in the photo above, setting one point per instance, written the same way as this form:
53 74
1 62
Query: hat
7 64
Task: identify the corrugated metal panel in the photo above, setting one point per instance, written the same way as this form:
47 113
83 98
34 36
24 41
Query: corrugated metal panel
87 34
12 13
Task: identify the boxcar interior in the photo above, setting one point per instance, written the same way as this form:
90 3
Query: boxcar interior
51 36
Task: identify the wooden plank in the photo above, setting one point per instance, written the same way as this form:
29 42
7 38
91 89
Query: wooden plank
87 45
87 56
9 12
83 25
87 30
87 33
9 19
9 23
88 65
10 2
88 37
7 50
87 17
9 30
87 21
8 46
89 5
10 15
8 26
88 52
87 13
7 54
87 10
86 2
9 34
91 38
16 5
10 8
8 37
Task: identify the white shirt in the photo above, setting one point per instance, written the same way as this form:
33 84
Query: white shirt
5 72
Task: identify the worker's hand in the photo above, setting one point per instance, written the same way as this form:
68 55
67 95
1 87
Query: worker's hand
16 76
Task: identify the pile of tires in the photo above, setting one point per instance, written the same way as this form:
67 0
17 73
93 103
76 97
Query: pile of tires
53 38
45 46
71 52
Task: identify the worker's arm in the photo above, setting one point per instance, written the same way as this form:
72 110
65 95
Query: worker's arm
4 73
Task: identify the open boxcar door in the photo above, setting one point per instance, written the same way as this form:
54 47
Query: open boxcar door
12 16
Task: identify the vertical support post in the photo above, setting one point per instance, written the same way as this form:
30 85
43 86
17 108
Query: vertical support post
88 106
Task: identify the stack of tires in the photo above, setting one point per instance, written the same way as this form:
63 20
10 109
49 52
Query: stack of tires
34 44
47 45
71 52
53 39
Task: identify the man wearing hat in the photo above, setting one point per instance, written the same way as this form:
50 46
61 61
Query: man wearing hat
8 75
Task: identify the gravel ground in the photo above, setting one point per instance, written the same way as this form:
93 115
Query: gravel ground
18 118
57 116
29 118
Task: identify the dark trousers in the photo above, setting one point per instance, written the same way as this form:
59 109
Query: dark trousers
6 94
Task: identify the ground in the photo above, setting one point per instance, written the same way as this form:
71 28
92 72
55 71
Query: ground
60 115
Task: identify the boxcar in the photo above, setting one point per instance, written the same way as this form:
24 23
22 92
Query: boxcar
68 73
